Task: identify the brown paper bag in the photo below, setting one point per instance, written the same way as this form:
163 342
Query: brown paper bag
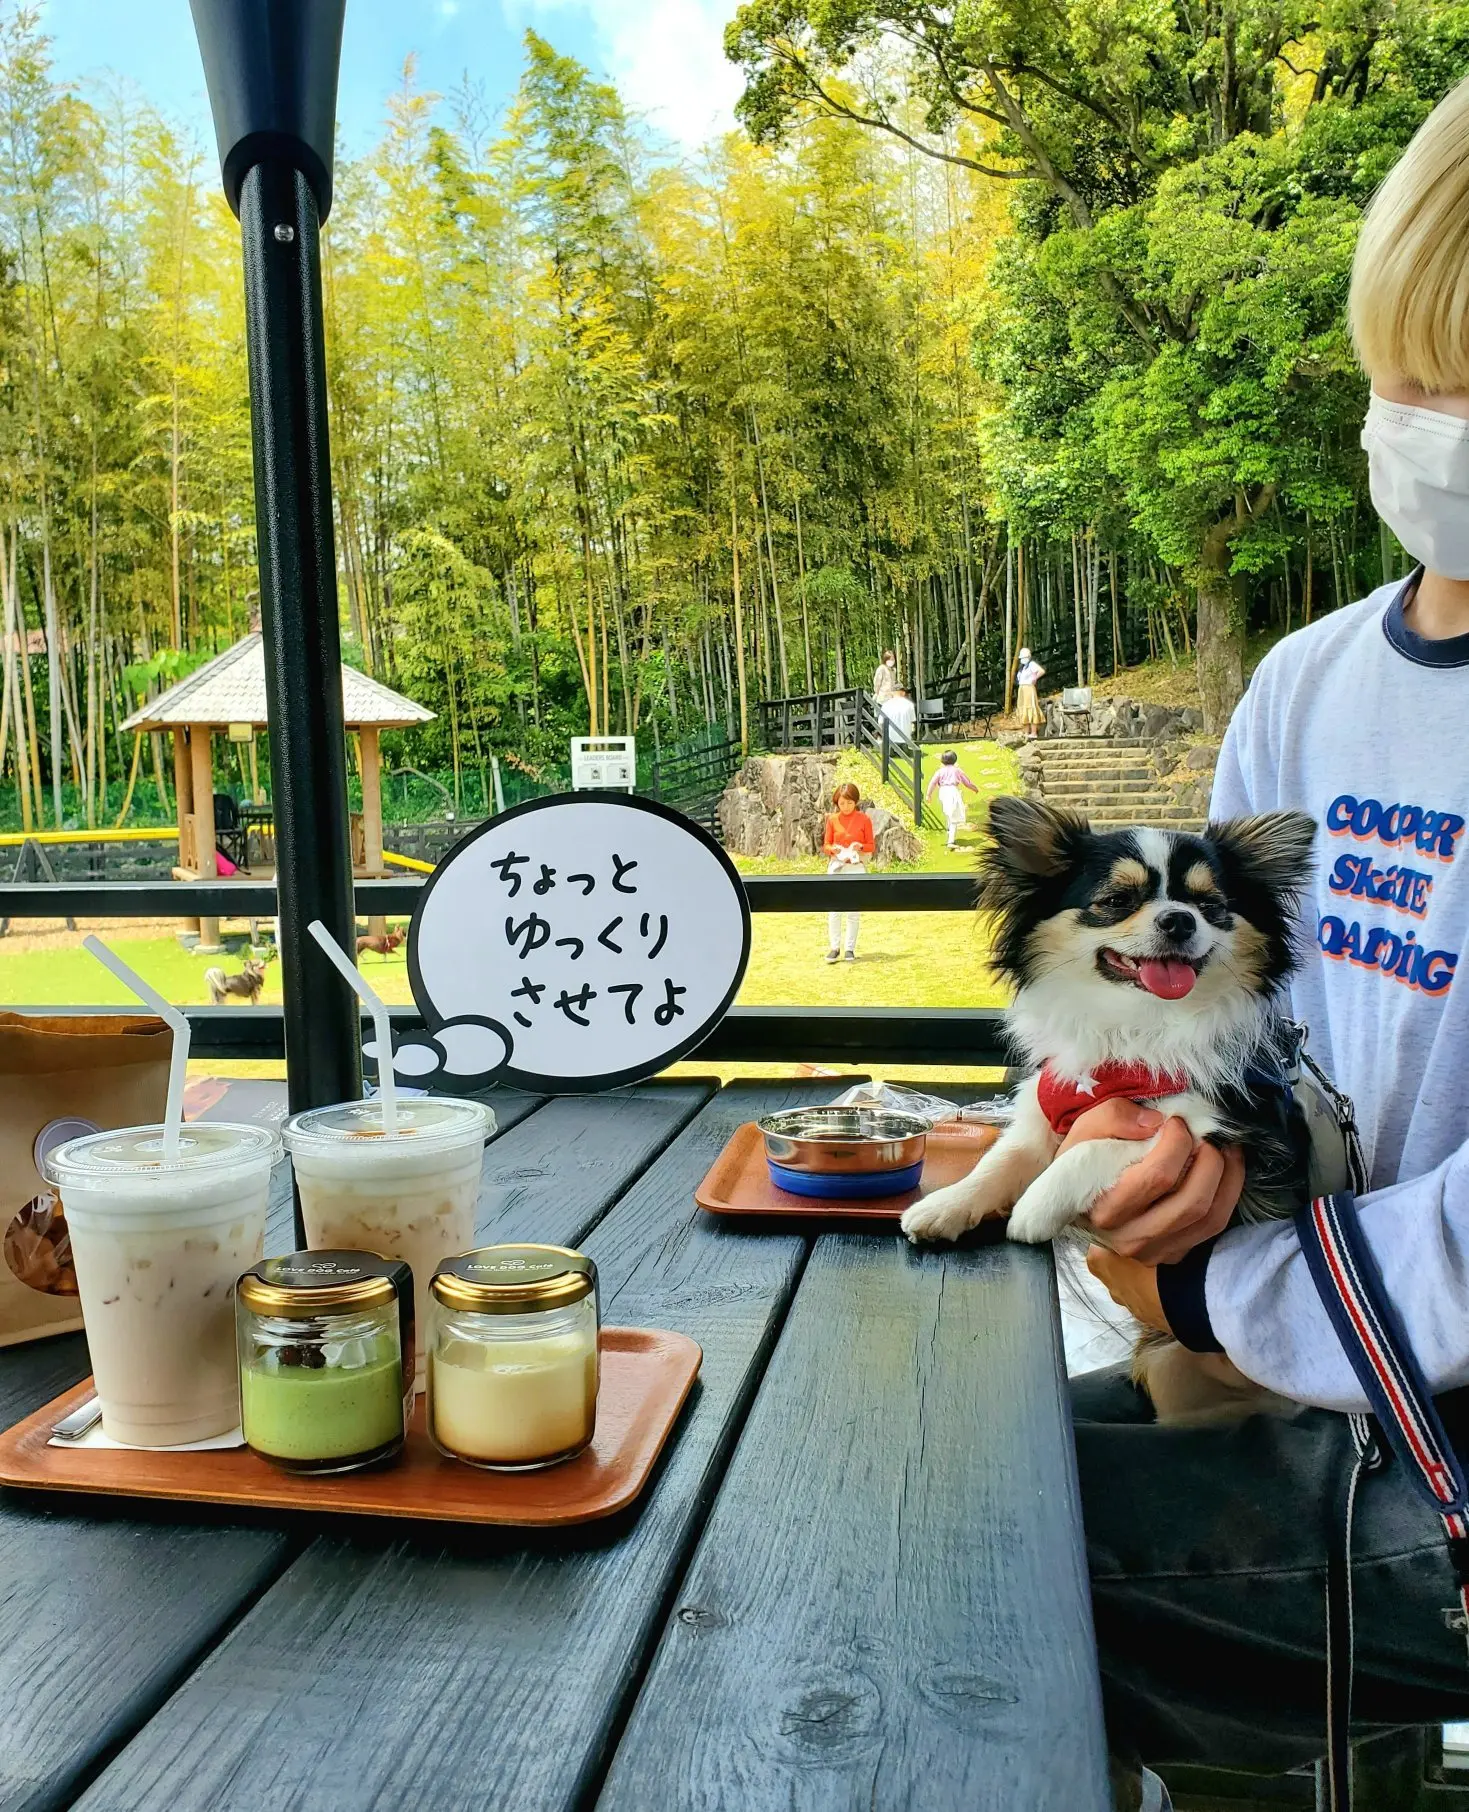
62 1077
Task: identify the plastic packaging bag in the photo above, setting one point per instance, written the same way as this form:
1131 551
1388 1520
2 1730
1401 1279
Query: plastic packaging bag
61 1077
993 1111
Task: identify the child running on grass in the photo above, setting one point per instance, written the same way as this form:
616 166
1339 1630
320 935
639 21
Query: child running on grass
948 781
847 844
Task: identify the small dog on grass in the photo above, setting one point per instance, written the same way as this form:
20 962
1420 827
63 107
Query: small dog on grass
1148 964
247 985
383 944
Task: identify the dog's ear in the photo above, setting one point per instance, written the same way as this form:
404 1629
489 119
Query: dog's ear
1273 851
1022 874
1033 842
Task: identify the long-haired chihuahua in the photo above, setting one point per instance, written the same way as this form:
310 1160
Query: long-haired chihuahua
1148 964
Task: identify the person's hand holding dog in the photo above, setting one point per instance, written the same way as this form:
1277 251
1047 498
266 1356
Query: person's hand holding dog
1176 1196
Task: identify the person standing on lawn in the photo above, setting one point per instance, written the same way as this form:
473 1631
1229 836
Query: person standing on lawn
902 714
885 679
1028 675
1209 1547
949 781
848 845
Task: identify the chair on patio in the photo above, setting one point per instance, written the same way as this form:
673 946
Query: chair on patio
230 834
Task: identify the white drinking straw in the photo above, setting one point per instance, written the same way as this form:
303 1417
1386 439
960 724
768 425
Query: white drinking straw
178 1064
386 1087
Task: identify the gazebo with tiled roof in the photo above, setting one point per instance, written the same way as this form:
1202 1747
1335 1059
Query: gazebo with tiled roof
230 691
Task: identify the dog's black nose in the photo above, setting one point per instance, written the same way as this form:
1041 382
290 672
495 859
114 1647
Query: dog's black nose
1178 924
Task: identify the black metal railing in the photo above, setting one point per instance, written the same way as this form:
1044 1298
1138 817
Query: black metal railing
691 775
848 720
847 1035
897 758
811 720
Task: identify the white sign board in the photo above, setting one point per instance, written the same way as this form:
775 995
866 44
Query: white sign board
573 944
598 762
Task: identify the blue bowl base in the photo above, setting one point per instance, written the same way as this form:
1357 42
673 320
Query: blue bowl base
859 1187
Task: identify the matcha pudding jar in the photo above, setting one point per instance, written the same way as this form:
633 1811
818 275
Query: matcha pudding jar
326 1359
512 1356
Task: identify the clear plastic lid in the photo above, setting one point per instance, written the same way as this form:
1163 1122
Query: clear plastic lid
425 1123
206 1149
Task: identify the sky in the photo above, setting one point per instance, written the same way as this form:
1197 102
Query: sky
665 55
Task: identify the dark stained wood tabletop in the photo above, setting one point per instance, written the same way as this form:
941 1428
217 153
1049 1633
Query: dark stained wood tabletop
856 1580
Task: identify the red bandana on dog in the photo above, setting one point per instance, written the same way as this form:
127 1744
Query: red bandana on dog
1062 1102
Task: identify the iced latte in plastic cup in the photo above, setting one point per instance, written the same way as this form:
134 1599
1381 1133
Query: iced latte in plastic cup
158 1243
411 1195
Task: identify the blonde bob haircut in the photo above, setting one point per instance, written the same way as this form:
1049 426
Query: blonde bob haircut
1410 276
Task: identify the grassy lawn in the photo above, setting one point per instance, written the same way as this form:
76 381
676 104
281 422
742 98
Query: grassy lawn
63 974
912 959
904 959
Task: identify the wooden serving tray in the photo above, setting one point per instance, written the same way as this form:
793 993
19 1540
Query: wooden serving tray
646 1377
738 1182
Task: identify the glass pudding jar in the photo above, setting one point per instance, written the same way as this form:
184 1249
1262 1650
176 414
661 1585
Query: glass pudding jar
512 1356
326 1359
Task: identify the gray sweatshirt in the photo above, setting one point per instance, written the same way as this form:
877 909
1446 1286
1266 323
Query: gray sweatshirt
1365 725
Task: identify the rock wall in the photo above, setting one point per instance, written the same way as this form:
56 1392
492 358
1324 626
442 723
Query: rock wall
777 805
1129 719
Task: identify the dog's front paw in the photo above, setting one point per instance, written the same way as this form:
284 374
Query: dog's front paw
1043 1211
947 1213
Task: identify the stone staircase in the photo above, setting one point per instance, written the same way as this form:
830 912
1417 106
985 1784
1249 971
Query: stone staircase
1117 782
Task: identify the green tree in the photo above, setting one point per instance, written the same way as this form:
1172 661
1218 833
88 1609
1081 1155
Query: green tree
1157 153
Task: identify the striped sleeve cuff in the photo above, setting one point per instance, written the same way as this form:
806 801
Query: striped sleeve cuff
1185 1306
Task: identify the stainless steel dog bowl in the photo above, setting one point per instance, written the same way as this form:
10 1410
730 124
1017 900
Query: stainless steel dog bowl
844 1141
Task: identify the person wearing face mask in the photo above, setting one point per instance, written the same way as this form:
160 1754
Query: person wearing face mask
1210 1546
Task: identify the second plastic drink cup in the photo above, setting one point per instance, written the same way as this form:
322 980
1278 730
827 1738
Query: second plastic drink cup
158 1243
412 1196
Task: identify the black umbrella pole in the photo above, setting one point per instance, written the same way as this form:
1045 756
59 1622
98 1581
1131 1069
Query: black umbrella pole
298 594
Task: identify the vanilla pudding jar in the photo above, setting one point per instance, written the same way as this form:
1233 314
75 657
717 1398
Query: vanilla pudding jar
411 1196
512 1356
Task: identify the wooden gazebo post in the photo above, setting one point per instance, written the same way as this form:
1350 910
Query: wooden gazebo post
201 753
369 742
183 791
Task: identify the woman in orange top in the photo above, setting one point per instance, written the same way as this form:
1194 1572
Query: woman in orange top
848 845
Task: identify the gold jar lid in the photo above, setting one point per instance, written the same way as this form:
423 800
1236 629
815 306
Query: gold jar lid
307 1284
514 1280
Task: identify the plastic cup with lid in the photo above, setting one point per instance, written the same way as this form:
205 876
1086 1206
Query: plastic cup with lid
158 1242
411 1194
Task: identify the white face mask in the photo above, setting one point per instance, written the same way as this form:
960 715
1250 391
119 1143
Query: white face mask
1418 465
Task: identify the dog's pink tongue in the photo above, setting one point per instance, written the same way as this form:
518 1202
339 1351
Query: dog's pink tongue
1167 978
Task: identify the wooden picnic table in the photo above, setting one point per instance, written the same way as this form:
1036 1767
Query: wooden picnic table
856 1580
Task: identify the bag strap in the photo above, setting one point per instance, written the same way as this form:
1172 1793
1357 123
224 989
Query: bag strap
1349 1283
1350 1286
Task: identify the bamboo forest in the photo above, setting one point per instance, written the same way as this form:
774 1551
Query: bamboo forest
987 324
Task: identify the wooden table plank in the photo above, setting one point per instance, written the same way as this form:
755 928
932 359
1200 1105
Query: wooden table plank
101 1614
889 1606
480 1671
555 1178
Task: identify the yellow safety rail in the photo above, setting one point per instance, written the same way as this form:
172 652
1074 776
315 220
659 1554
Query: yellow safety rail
151 834
157 834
